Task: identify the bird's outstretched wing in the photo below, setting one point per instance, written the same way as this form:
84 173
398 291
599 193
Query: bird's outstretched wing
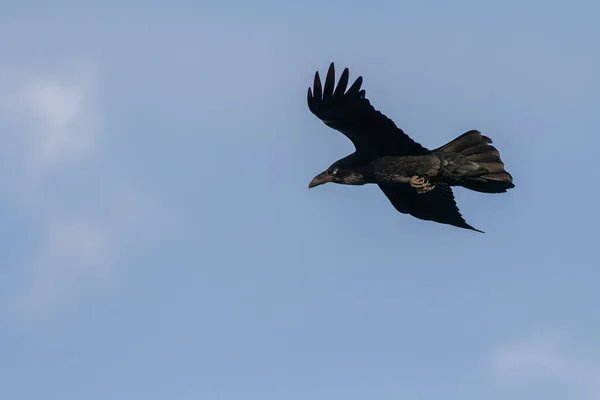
350 112
437 205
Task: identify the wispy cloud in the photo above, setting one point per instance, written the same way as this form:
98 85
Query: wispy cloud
534 354
65 125
80 251
545 357
55 125
57 116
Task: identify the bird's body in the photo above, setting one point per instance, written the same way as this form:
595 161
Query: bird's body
445 167
416 180
390 169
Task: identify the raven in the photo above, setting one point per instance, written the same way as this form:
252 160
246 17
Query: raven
416 180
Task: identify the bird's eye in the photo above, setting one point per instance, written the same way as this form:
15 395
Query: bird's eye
334 172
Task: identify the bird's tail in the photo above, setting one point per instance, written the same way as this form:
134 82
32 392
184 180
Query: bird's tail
477 148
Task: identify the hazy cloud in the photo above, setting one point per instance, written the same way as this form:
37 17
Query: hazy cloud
64 123
79 252
55 124
545 357
56 116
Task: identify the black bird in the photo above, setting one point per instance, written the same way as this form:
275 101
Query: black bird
417 181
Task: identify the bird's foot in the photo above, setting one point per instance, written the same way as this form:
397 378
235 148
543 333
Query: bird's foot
421 184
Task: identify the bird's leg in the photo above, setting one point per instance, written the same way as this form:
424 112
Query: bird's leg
421 184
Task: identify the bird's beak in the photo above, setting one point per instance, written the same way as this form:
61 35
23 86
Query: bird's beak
320 179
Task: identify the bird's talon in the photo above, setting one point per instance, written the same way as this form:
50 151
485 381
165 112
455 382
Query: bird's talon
421 184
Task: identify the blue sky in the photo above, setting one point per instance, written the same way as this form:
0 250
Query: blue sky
159 240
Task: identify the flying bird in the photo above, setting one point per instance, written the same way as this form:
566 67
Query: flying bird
416 180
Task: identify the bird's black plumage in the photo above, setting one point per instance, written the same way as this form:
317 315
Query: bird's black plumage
379 143
350 112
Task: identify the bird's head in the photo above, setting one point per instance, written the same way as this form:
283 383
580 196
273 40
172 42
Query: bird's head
336 174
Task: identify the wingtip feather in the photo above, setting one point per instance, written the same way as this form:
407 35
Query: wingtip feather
342 83
329 82
318 90
356 85
309 100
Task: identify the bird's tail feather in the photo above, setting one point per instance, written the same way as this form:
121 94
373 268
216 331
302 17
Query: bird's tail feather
478 149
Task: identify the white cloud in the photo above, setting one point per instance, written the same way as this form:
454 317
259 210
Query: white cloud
65 115
64 123
56 116
55 123
80 251
539 353
545 357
